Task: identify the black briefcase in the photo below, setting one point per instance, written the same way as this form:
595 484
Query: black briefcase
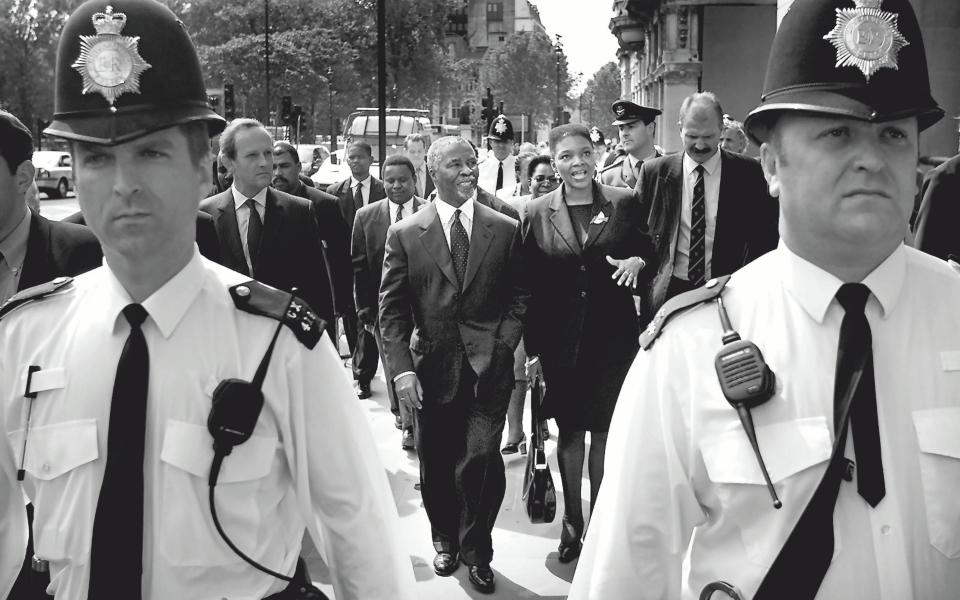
539 494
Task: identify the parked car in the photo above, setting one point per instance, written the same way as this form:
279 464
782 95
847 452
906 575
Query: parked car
330 172
54 175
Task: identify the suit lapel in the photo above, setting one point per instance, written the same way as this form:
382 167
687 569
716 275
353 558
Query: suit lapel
726 210
560 218
600 206
480 239
36 264
229 234
435 244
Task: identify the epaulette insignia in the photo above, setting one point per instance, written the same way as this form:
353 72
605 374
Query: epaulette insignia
679 304
259 299
32 294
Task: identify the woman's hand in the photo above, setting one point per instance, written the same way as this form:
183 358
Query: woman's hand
627 269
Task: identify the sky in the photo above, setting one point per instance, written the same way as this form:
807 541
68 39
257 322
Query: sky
585 33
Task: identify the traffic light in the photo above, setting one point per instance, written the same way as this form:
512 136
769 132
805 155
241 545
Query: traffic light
229 109
286 109
465 114
566 117
295 121
41 125
488 113
500 108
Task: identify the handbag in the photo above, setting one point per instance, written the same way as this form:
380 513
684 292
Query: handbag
539 494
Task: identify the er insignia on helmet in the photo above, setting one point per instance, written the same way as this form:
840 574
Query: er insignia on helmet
500 126
595 135
866 37
110 63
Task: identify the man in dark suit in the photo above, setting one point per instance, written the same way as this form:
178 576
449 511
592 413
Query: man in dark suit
334 233
451 304
355 192
369 238
708 209
265 233
415 148
937 227
33 250
637 125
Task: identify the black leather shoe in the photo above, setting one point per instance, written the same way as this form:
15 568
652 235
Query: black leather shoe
482 578
445 563
568 552
407 442
363 390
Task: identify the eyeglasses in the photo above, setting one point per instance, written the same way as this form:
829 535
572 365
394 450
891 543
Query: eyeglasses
542 178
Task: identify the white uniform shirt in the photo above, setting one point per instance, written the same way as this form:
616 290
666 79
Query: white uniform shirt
488 172
711 200
311 461
679 463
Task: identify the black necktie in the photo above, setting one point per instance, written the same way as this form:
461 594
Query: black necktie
254 232
459 247
698 233
499 176
399 213
358 196
116 553
800 567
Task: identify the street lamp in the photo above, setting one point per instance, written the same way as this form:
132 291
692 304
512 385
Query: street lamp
558 49
266 53
333 134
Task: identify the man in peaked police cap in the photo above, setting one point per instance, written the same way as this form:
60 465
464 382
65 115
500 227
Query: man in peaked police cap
107 380
637 127
858 430
498 169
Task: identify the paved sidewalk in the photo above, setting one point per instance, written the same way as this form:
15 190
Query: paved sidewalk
525 559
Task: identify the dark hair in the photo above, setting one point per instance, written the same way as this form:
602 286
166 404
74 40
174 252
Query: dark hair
16 145
398 159
542 159
286 147
568 130
362 145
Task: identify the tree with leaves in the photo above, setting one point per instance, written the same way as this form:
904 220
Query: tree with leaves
602 90
523 74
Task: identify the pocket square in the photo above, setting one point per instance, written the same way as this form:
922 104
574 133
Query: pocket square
599 219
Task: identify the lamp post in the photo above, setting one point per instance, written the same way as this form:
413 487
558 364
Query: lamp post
266 54
558 50
333 134
580 108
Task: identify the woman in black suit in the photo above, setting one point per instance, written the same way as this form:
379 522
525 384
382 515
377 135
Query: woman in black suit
586 248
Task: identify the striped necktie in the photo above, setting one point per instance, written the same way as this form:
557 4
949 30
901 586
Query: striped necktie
698 233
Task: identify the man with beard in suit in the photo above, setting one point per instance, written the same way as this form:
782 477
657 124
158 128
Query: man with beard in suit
451 304
369 239
708 209
265 233
334 234
355 192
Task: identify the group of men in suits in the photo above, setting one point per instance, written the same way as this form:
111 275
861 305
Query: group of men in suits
708 210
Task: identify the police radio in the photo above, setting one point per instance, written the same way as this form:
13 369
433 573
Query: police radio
233 417
746 381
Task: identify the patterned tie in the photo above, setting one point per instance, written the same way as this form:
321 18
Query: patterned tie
254 232
358 196
698 233
459 247
399 213
800 567
499 177
116 552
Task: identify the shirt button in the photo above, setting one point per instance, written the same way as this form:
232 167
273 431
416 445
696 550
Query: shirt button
583 267
885 530
45 467
583 294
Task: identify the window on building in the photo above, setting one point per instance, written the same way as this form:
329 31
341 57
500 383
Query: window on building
494 11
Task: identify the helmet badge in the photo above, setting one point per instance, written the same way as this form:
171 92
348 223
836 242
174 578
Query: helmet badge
866 37
500 126
110 63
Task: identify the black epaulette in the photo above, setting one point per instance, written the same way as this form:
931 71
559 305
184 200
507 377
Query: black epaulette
679 304
32 294
259 299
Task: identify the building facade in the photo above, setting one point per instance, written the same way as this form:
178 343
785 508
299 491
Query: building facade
670 49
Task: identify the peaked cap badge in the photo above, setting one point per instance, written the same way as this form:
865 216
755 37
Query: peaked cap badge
110 63
866 37
500 126
620 110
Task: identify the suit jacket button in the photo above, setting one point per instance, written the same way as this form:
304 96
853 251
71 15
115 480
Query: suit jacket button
583 267
583 294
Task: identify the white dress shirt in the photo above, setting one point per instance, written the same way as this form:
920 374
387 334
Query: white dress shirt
488 172
393 206
711 191
243 216
286 478
446 213
364 188
679 463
